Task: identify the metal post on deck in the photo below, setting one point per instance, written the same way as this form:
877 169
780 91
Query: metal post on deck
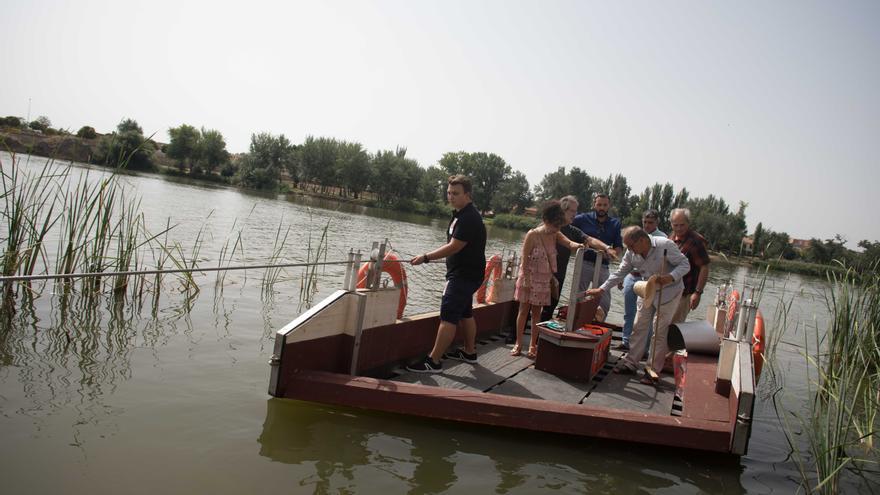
346 285
746 324
377 266
595 282
720 303
573 289
354 261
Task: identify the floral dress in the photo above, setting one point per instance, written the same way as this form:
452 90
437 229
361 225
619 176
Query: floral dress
540 269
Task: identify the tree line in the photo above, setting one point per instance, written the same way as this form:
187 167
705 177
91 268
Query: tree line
391 179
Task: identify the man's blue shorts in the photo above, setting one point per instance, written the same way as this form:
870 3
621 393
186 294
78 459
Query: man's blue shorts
458 300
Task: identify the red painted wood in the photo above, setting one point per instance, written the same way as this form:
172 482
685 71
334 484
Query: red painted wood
414 338
331 354
700 399
500 410
573 363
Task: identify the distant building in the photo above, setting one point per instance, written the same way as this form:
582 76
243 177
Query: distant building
799 244
747 246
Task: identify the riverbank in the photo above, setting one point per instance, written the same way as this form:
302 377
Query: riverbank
67 147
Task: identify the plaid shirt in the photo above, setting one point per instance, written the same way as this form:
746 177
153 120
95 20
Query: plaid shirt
693 246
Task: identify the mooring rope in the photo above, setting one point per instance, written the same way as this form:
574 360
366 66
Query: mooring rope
27 278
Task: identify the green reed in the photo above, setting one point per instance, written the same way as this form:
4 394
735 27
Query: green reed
61 222
840 421
309 283
271 275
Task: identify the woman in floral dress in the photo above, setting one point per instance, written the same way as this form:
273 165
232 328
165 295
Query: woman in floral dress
537 269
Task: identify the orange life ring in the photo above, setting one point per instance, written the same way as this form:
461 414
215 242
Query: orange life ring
758 343
393 266
492 273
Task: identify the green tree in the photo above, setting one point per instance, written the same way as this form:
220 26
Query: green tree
777 245
870 257
619 195
582 186
41 123
127 147
395 179
554 184
353 165
317 161
486 170
184 146
10 121
212 150
830 250
758 239
86 132
129 125
711 217
513 195
432 187
268 155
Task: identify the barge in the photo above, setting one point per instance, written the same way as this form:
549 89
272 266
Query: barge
351 349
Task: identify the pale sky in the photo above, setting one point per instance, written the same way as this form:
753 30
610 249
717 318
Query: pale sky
771 103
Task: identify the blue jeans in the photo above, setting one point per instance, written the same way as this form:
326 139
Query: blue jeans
629 308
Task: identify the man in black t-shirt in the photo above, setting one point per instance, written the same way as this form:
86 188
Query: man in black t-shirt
465 253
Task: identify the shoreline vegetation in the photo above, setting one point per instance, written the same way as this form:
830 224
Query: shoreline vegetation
339 170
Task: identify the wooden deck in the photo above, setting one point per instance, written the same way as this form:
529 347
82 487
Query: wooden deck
496 372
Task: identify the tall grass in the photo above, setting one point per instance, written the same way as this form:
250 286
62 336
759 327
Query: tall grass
840 423
56 220
309 280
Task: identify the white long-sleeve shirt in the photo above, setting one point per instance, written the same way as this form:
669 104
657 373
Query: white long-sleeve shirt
676 265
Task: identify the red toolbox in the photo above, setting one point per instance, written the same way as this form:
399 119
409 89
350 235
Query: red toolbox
576 355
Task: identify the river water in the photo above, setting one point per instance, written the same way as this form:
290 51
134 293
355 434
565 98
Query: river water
136 398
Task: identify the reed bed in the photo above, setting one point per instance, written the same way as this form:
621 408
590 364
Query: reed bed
57 220
840 421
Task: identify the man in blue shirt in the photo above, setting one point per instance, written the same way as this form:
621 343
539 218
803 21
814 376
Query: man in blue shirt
599 224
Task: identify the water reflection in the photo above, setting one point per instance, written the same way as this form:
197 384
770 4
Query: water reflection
349 448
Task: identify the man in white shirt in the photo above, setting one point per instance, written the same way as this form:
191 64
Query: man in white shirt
646 254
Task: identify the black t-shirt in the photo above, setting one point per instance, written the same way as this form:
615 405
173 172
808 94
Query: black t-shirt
469 263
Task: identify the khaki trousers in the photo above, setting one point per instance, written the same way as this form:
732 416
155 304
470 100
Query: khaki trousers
684 307
638 341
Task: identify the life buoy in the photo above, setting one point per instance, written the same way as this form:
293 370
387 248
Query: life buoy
758 343
393 266
492 273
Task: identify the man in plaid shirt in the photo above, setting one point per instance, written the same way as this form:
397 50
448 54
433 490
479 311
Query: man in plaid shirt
693 246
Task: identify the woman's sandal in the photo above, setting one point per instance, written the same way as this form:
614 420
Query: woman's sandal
516 351
533 353
649 380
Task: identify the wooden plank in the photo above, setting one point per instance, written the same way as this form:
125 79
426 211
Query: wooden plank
494 365
742 399
537 384
624 392
700 399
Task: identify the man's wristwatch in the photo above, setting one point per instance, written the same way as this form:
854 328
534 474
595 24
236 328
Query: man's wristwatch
425 256
699 291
